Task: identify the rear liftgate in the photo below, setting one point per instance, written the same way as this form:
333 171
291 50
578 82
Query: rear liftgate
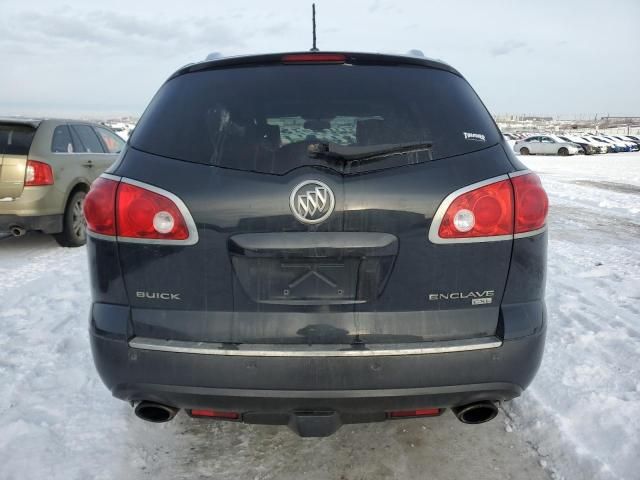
311 261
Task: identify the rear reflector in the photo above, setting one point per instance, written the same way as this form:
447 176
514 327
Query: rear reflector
135 212
422 412
492 210
215 414
38 174
314 58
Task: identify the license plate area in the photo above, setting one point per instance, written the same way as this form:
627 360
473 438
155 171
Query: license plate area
301 281
312 268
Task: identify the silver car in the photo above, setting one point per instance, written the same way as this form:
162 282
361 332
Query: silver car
600 146
545 145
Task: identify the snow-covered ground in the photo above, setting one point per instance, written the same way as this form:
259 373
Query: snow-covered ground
579 419
585 400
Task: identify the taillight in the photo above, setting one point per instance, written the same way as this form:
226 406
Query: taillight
486 211
142 213
532 203
216 414
421 412
492 210
38 174
314 58
135 212
100 207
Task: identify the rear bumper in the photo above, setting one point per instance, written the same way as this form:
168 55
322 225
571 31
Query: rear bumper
44 223
267 388
35 201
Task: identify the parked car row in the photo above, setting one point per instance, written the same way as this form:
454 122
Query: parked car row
572 143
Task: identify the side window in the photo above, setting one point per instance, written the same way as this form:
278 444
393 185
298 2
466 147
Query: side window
111 141
533 139
547 140
61 141
89 142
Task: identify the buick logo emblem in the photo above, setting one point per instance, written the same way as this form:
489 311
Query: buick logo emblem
312 202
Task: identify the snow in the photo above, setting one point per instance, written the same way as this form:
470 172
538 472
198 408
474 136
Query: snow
579 419
586 397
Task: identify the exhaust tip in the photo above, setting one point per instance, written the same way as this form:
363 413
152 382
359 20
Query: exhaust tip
17 231
155 412
477 412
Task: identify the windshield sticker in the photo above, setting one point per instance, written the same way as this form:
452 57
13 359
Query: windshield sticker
478 137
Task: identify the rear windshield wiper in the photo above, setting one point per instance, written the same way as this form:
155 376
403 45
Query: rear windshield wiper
350 153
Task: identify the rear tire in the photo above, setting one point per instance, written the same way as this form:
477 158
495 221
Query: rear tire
563 152
74 226
524 151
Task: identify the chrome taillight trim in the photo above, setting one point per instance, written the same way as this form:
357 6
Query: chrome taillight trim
519 173
193 237
108 176
531 233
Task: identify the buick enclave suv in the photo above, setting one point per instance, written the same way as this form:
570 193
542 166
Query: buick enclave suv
312 239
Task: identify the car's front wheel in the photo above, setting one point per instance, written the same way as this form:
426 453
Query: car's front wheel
74 225
524 151
563 152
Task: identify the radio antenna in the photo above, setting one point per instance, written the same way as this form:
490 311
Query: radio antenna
313 20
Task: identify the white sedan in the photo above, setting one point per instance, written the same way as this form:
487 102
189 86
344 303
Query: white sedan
545 145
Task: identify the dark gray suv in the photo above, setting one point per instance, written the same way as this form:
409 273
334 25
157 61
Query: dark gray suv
311 239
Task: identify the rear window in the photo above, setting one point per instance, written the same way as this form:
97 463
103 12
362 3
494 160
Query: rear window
16 139
263 118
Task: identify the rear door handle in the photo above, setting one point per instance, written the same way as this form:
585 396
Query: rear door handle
88 163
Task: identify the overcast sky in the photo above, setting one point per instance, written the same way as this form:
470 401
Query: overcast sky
545 57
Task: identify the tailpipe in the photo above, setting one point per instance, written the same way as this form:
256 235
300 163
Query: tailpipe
155 412
17 231
477 412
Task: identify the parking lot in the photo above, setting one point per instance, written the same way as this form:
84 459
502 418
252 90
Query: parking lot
579 419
